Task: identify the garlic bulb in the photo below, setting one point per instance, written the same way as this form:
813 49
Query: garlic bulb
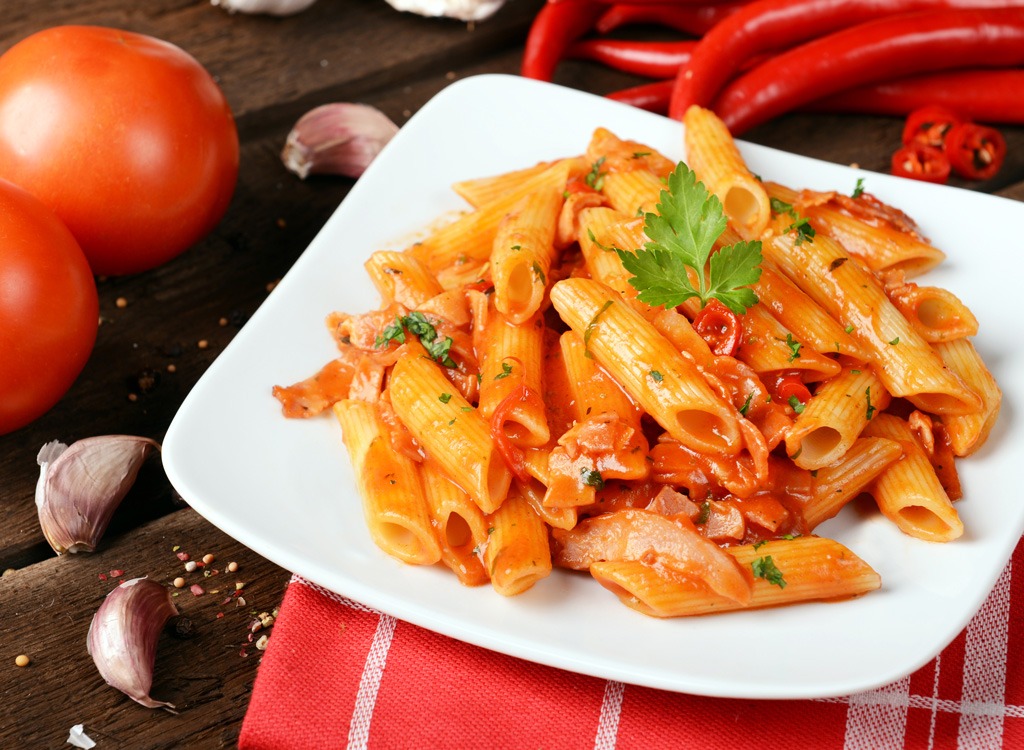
338 138
80 487
269 7
464 10
123 637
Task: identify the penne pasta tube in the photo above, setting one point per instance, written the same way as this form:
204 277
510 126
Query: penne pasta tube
517 554
666 384
593 391
908 492
471 237
511 362
524 253
968 432
937 314
401 278
389 484
904 362
880 244
798 570
834 416
835 485
712 154
482 190
460 524
449 428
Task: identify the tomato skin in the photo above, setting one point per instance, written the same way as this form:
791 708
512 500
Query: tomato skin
49 311
128 139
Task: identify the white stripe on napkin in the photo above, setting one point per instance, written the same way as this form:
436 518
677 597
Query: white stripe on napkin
611 709
369 683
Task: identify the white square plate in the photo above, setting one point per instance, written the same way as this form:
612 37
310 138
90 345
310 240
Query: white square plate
285 487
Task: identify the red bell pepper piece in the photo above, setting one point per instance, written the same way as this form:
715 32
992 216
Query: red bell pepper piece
919 161
878 50
720 327
975 152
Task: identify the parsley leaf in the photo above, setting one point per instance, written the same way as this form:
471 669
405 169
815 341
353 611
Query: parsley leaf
682 235
858 189
764 567
506 370
417 324
592 478
595 178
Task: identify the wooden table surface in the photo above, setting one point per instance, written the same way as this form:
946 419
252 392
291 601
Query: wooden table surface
147 354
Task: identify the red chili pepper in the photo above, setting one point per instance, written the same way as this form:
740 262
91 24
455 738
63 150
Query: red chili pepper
929 125
877 50
789 387
720 327
511 454
921 162
554 28
650 59
650 96
689 19
983 95
975 151
773 25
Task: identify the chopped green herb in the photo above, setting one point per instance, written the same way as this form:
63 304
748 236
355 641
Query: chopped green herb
612 249
781 207
589 330
871 409
641 154
705 513
746 404
804 231
849 328
506 370
764 567
417 324
539 273
836 263
466 408
798 407
517 248
894 341
858 189
592 478
794 347
759 545
595 178
657 376
855 372
444 398
790 536
682 235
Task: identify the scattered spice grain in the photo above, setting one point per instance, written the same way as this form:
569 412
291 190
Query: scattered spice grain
22 660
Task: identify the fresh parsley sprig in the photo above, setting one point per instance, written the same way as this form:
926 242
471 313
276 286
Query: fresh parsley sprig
417 324
682 235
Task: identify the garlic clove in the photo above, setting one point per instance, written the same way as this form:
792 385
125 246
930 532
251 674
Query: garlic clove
80 487
124 633
338 138
269 7
464 10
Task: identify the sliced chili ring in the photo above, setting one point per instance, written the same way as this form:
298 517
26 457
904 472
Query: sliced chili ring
789 387
720 327
920 162
975 152
929 126
512 454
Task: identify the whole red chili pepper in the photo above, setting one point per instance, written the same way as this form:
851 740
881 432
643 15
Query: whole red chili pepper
772 25
650 59
985 95
919 161
689 19
975 152
554 28
652 97
878 50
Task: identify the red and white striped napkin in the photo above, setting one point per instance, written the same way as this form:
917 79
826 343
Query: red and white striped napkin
339 675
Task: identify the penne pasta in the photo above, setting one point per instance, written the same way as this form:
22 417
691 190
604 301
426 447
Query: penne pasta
517 554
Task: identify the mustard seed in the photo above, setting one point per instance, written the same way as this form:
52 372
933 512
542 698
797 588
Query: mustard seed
22 660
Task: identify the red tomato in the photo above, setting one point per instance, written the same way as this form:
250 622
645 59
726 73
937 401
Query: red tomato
920 162
49 312
127 138
975 151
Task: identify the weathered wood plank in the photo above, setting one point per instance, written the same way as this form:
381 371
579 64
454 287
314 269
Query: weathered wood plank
47 609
